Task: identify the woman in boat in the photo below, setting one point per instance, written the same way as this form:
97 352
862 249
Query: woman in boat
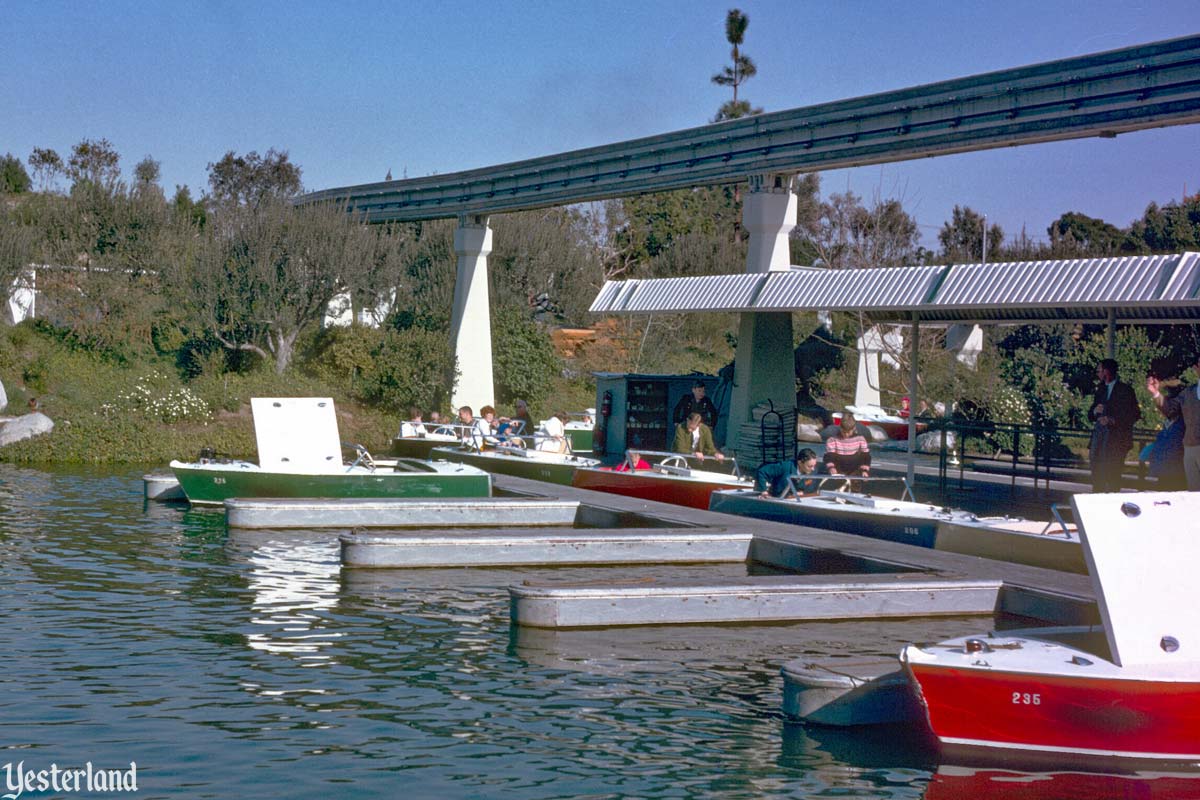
553 436
485 430
848 453
695 438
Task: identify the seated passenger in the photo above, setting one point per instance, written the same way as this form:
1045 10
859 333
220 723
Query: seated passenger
552 437
773 479
632 463
695 438
484 426
848 453
413 427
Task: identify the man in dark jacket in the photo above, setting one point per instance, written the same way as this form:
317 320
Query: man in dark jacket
696 401
1113 413
773 479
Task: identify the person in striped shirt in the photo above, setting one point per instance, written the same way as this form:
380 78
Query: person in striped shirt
848 453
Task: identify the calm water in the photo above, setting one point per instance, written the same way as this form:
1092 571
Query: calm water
248 664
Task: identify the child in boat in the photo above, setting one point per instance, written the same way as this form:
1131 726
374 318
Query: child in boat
632 463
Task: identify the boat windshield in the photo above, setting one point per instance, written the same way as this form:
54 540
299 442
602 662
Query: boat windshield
896 488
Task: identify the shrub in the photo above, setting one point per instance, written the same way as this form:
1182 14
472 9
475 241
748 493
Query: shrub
342 355
412 367
523 359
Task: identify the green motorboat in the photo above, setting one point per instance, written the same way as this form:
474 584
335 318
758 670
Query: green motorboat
506 459
310 465
212 482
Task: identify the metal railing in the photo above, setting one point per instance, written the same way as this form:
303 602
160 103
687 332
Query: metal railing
1042 453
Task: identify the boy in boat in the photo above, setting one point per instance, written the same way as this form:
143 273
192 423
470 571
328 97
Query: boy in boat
695 438
772 480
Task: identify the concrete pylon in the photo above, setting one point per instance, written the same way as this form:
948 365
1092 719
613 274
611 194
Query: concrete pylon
764 367
471 319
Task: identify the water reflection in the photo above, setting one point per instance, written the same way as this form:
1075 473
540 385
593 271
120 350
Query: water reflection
249 659
293 577
984 783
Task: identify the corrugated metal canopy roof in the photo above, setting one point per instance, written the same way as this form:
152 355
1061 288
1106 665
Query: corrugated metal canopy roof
1135 288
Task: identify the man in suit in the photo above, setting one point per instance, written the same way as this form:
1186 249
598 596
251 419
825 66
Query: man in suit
1113 413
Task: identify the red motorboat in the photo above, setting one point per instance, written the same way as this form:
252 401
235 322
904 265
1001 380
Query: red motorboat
892 422
671 480
1129 688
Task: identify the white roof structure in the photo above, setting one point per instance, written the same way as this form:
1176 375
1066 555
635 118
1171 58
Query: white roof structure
1162 288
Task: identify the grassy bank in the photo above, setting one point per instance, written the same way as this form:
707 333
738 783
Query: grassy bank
109 412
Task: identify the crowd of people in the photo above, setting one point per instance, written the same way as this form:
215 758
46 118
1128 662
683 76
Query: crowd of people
1173 458
490 429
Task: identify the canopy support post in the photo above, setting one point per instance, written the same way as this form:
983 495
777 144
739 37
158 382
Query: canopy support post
912 400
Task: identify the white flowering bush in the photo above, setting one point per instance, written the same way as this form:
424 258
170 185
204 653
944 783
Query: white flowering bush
1009 405
152 398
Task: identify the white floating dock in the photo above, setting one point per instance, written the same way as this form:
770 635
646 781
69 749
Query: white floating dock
848 691
162 488
558 547
397 513
767 599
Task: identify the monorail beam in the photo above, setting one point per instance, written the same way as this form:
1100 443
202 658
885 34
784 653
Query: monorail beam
1101 94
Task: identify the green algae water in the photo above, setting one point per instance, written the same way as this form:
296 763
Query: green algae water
249 664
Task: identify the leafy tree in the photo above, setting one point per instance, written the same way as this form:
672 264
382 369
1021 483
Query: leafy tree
741 69
19 239
524 361
654 221
94 164
266 274
1074 235
13 177
1167 229
843 233
425 289
962 237
544 258
186 208
47 165
145 177
253 179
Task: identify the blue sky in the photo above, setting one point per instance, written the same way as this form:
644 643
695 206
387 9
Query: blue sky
352 90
